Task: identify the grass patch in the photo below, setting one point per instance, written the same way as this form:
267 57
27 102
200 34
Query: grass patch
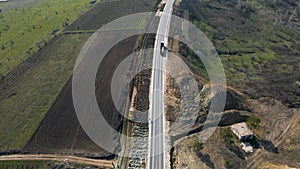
24 30
196 64
29 100
206 29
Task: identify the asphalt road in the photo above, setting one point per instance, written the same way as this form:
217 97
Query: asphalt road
156 159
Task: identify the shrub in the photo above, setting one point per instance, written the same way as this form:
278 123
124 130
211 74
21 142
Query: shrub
253 121
198 146
228 164
228 136
295 140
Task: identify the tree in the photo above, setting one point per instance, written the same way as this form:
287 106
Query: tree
44 41
38 44
65 23
6 28
28 52
11 43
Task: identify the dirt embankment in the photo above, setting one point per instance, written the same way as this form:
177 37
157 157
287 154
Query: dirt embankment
276 139
184 107
137 122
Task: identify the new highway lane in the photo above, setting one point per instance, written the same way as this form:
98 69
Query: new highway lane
156 154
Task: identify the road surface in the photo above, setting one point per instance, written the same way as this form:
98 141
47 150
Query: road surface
156 147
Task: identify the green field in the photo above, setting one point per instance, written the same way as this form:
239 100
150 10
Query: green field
24 30
26 104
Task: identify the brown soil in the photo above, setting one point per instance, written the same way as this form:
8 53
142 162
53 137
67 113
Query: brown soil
108 11
279 124
277 138
63 158
211 155
60 130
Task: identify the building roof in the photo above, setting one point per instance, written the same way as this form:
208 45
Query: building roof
241 129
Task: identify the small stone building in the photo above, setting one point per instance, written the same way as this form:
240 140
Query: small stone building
242 131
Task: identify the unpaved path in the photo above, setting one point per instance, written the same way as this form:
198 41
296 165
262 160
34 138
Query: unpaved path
64 158
15 3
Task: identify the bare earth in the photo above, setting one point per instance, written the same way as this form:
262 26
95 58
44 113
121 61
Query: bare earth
63 158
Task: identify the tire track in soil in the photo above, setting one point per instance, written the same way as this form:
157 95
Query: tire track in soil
262 155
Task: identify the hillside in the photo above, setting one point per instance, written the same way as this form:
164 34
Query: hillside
258 43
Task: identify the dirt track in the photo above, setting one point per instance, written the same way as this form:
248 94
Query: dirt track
278 138
49 157
16 3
